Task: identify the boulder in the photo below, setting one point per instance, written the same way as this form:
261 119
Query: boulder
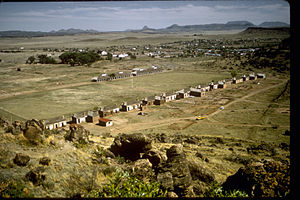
261 179
34 129
177 166
19 126
142 169
130 146
78 134
172 195
10 129
4 123
155 157
175 152
38 124
163 138
33 134
21 159
108 154
36 176
200 173
166 180
45 161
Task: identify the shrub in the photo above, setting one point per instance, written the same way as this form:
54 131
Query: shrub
44 59
124 185
216 190
79 58
12 189
30 60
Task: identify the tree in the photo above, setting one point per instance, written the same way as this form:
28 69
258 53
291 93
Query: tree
112 75
109 56
79 58
233 73
44 59
30 60
133 57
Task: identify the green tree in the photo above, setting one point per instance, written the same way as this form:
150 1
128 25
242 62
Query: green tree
133 57
79 58
30 60
233 73
109 56
44 59
112 75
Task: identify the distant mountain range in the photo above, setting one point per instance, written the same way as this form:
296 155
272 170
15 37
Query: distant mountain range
232 25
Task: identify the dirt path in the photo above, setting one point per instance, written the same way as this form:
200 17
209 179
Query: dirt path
246 96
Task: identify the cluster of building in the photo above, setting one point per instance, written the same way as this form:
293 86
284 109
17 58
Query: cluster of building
101 115
134 72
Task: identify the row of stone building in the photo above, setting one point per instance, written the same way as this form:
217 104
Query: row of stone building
134 72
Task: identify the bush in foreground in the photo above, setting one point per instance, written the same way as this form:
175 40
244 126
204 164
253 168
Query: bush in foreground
217 190
123 185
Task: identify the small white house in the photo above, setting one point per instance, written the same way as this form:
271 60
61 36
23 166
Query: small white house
94 79
105 122
56 123
261 75
103 53
78 118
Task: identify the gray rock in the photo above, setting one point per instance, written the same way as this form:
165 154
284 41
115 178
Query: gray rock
130 146
166 180
155 157
177 165
142 169
21 159
78 134
200 173
45 161
36 176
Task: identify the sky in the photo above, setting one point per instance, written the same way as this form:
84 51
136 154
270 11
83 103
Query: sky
123 15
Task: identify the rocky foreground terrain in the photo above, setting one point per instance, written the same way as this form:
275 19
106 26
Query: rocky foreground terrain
35 162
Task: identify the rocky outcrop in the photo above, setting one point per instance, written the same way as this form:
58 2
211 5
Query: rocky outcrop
155 157
261 179
142 169
15 128
21 159
174 174
130 146
19 126
36 175
33 131
78 134
45 161
198 172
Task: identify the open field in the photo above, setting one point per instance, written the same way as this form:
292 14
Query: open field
52 103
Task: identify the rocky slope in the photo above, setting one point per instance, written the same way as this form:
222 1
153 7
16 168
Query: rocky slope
67 163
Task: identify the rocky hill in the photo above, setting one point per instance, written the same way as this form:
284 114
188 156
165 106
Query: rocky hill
36 162
266 30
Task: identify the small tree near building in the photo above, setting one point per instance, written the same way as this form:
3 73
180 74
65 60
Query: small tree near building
30 60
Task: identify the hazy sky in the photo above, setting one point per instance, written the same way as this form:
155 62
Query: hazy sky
120 15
